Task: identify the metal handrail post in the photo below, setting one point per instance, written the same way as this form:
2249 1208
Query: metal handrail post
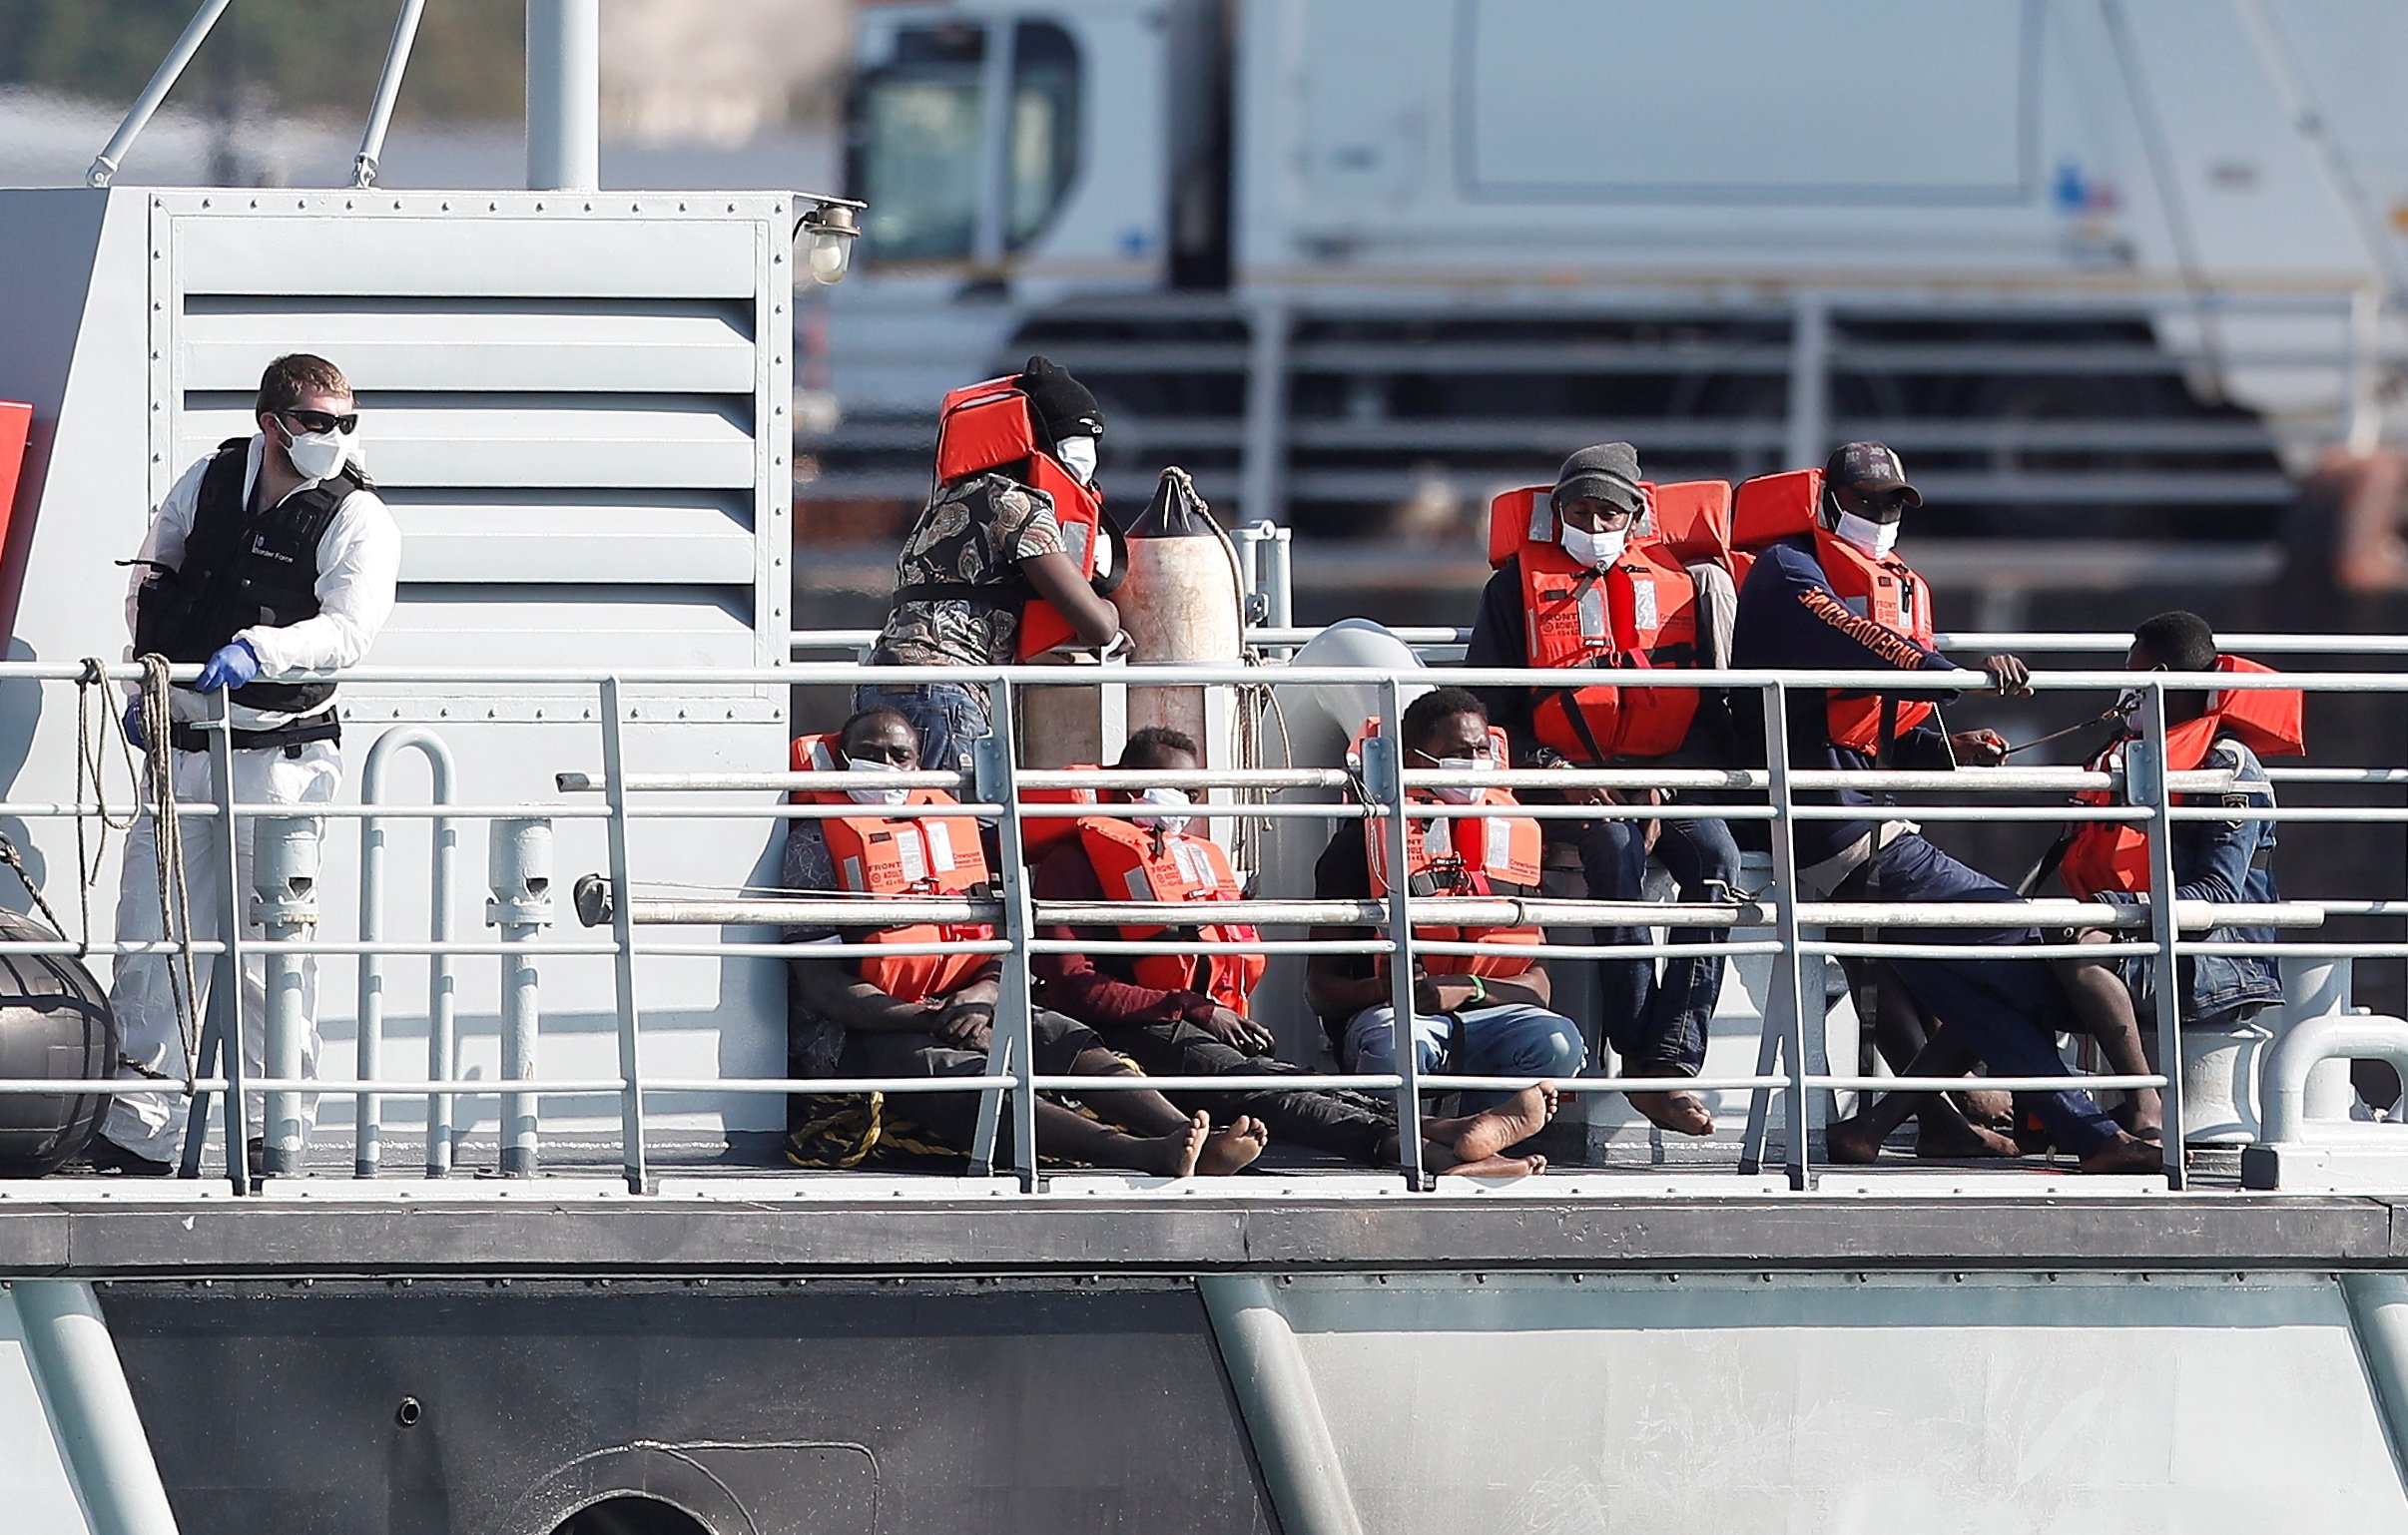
229 980
163 80
2144 780
1384 772
389 87
442 1000
622 933
1015 1013
519 870
284 877
1787 994
368 1145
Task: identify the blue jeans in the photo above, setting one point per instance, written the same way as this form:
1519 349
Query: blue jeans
2009 1010
1510 1039
1656 1024
946 715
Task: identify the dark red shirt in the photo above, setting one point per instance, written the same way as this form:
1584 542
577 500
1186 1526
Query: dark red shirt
1097 989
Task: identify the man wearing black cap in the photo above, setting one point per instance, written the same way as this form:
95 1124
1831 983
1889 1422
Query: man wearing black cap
988 546
1656 1024
1835 598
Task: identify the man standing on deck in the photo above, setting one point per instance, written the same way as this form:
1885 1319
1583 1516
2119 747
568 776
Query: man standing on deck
1831 597
1658 1025
1189 1015
270 563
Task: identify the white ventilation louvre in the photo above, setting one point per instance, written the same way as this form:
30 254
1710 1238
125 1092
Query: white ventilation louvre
576 408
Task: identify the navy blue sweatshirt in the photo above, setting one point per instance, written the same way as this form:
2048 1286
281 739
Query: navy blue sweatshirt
1790 617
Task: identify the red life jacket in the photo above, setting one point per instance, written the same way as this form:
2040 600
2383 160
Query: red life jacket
1467 858
880 855
1641 611
1040 834
989 427
2114 856
1772 507
1143 863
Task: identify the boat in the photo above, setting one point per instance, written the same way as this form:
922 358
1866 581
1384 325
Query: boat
536 1264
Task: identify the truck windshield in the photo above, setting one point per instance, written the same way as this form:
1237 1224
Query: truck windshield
916 141
917 136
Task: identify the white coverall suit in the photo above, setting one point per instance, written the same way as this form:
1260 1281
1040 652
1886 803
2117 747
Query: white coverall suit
358 561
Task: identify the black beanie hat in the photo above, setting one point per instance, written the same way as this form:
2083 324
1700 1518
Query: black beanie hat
1608 472
1063 404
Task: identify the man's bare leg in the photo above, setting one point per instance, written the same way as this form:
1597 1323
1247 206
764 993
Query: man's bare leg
1943 1129
1193 1148
1476 1137
2104 1005
1682 1111
1159 1124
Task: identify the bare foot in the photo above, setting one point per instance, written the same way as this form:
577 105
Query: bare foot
1987 1106
1680 1112
1851 1140
1175 1155
1476 1135
1499 1167
1232 1147
1971 1141
2123 1155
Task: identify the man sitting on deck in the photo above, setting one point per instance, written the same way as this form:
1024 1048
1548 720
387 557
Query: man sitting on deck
1187 1015
2227 861
1829 596
933 1015
1473 1015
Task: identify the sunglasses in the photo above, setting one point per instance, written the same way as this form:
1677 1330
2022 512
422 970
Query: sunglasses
319 423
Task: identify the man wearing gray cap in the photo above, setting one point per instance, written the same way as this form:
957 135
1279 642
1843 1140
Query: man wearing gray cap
1585 590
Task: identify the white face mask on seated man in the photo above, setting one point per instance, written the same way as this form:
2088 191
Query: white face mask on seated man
892 795
1164 821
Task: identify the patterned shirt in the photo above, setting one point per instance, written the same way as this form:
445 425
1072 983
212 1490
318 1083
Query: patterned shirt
814 1042
972 533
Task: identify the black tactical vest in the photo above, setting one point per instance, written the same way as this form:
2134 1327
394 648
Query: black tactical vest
245 568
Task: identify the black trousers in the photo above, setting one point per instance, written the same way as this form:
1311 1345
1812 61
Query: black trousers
1332 1121
953 1118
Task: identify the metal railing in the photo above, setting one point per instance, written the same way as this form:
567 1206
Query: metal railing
1789 1070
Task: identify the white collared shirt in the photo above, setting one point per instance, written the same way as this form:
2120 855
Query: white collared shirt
358 564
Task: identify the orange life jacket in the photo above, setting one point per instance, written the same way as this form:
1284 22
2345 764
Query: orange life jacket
989 426
1772 507
1468 857
1144 863
2114 856
882 854
1640 611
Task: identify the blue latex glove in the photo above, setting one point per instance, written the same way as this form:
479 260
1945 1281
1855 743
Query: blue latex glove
134 723
234 666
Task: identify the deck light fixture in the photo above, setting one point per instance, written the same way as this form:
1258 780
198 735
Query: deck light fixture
831 230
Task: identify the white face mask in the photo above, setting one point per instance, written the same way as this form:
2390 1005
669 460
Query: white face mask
1874 538
874 795
1078 454
1163 797
1598 551
316 455
1464 793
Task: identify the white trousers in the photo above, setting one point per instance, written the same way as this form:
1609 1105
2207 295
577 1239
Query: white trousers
151 1124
